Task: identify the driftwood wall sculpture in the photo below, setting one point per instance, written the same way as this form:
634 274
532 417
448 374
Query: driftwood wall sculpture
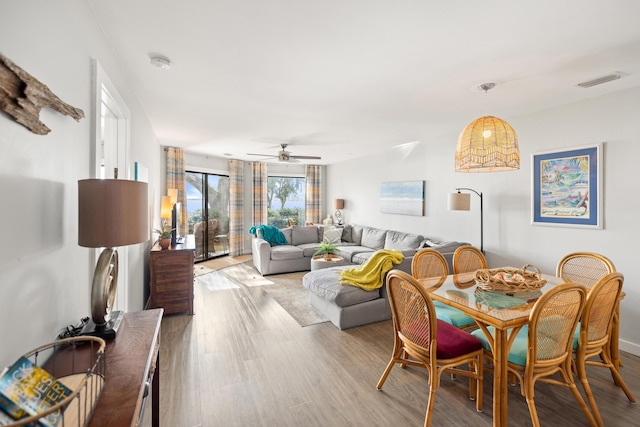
22 96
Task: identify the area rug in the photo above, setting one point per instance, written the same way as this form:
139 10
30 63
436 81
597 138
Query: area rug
285 289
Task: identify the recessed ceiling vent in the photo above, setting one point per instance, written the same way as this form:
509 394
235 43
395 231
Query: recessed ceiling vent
604 79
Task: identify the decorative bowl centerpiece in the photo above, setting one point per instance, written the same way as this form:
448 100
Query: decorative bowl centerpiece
510 280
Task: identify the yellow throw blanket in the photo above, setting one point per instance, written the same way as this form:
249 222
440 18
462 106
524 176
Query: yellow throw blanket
370 275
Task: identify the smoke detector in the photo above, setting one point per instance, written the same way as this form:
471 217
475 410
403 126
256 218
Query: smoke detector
160 61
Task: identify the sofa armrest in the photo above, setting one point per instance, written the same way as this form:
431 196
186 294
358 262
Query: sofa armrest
261 253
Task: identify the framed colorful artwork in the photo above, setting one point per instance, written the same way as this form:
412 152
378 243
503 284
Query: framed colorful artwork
404 197
567 187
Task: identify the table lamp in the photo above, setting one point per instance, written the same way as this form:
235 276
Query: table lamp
111 213
339 207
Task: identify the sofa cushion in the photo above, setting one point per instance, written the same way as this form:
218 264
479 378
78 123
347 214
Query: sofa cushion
346 234
332 235
300 235
287 233
286 252
347 252
326 284
356 234
373 238
309 249
401 241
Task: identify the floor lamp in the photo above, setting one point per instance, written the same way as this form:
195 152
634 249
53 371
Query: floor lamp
462 202
111 213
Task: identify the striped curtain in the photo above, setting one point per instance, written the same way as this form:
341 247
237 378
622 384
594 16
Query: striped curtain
176 179
236 217
313 194
260 202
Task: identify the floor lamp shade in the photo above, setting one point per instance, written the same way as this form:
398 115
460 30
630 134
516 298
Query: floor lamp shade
488 144
462 202
112 212
459 202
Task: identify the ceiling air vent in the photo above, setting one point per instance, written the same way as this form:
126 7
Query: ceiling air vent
604 79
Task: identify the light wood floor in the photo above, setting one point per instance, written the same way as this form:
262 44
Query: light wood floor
241 360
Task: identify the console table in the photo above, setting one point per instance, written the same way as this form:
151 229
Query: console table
171 277
132 366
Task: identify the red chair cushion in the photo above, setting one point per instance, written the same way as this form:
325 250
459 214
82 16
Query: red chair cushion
454 342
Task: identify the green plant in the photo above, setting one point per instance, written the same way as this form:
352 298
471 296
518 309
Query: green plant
325 248
165 230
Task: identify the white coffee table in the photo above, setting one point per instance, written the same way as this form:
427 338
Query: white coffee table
318 262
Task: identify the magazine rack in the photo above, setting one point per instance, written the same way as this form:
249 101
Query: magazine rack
78 363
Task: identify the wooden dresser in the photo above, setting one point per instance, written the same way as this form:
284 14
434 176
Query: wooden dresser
171 277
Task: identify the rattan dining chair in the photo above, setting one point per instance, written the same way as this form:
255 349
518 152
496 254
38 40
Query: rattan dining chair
595 329
468 258
431 343
429 263
584 267
587 268
543 348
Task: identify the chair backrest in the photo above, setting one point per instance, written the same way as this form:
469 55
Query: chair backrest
584 267
414 316
468 258
553 321
429 263
600 307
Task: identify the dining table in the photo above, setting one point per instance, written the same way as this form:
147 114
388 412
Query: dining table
506 312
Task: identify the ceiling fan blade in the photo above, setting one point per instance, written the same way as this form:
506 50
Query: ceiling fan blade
263 155
306 157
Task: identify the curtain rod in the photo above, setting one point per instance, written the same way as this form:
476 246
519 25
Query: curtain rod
208 156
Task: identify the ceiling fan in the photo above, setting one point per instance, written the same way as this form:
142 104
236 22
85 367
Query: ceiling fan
285 156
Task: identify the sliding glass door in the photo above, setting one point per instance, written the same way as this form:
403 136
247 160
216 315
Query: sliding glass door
208 213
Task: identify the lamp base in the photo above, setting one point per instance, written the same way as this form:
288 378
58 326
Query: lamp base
107 331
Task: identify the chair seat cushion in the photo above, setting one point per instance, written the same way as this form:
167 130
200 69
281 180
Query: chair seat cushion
452 342
518 351
452 315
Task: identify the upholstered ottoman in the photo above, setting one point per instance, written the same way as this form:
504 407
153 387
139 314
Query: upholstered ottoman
345 306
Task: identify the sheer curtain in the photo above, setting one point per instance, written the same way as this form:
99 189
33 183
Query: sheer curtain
313 194
236 214
260 202
176 179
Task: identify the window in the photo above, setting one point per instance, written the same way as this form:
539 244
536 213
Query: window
286 201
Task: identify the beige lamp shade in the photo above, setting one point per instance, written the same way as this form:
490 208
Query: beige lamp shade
339 203
112 212
166 207
488 144
173 195
459 202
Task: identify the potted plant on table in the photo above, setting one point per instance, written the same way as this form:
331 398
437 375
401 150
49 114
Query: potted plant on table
326 250
164 235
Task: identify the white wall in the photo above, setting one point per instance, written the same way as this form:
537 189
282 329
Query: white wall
509 237
46 276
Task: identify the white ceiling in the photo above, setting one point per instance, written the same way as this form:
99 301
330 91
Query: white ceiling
342 78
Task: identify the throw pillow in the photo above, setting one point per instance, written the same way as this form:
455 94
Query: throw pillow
332 235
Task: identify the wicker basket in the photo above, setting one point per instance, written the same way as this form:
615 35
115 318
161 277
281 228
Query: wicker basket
83 371
510 280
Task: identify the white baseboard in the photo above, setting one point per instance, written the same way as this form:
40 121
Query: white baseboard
629 347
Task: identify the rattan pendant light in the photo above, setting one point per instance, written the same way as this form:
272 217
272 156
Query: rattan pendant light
488 144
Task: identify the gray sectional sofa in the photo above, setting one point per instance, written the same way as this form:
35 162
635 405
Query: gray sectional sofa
356 244
345 306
